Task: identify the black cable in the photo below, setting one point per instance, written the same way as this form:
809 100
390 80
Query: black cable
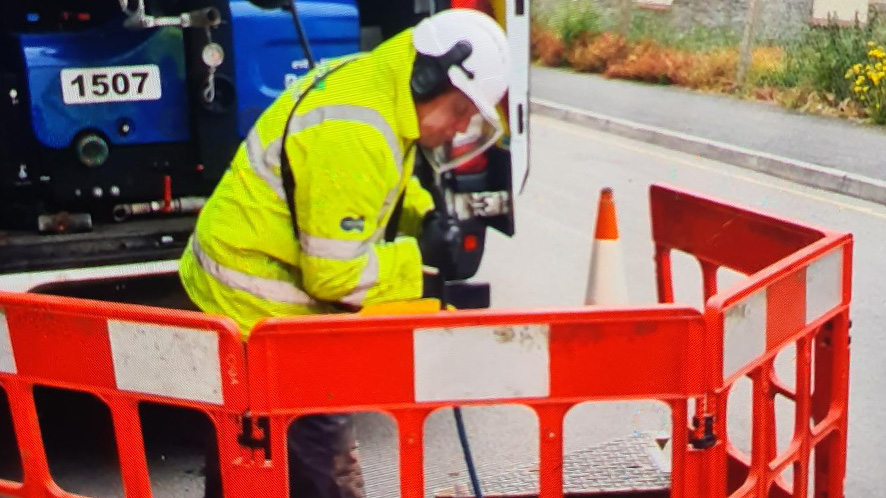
300 29
426 178
466 449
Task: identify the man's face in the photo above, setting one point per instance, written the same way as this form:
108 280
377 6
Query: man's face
442 117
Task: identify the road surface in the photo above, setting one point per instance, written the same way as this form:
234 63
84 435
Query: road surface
546 265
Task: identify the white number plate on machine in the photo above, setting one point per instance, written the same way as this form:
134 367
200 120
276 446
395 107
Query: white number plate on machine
111 84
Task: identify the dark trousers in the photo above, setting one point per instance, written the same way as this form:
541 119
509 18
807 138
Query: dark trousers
322 455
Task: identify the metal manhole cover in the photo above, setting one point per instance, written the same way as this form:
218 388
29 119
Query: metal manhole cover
633 464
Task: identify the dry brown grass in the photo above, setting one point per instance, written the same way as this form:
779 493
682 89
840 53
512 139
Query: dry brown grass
714 70
594 55
549 48
650 63
535 31
711 71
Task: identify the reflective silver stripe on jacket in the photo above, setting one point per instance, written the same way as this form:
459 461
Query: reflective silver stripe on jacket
265 162
346 250
273 290
262 163
368 279
343 250
365 115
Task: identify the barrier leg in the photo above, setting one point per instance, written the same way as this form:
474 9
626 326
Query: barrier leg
830 398
27 432
803 414
709 279
679 443
131 448
411 424
550 448
663 274
763 430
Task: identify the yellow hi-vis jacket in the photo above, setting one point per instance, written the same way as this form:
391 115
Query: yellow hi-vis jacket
351 146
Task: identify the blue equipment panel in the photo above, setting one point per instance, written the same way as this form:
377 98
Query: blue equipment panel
269 54
157 121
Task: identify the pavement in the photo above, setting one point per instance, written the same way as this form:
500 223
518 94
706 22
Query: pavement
555 226
555 220
826 153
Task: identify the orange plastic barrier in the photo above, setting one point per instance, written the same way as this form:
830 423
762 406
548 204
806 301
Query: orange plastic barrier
124 355
410 366
797 292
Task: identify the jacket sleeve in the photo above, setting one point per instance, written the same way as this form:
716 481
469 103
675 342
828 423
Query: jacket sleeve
416 203
347 178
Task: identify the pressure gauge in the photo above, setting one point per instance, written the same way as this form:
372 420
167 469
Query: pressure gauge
213 55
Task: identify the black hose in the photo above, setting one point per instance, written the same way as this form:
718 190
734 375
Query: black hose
425 174
426 178
466 449
300 29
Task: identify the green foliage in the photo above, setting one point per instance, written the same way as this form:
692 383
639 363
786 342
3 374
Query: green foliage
820 56
810 62
646 25
825 54
572 19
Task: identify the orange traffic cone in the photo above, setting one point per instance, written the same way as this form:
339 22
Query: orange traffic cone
607 280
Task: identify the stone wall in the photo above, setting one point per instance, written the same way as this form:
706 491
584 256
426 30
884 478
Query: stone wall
779 18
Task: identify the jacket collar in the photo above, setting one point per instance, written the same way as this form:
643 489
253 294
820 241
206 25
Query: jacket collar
394 59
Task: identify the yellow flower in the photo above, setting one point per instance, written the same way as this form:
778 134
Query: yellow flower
871 44
859 80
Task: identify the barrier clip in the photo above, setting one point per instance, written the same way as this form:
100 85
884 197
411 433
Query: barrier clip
247 438
708 439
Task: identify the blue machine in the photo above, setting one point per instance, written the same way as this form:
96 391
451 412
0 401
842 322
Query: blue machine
333 29
116 114
56 124
100 107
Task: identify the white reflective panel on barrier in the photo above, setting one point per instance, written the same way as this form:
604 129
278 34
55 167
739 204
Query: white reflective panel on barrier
166 361
744 333
7 360
824 284
474 363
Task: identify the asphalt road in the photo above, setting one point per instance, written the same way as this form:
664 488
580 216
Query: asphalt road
546 265
759 126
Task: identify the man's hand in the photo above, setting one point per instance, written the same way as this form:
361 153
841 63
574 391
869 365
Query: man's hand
440 243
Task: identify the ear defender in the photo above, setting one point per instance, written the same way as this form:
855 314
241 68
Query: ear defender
430 75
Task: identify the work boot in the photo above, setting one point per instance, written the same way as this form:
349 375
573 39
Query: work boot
323 458
348 472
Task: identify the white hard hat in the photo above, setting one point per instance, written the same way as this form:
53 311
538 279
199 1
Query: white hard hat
482 76
489 61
